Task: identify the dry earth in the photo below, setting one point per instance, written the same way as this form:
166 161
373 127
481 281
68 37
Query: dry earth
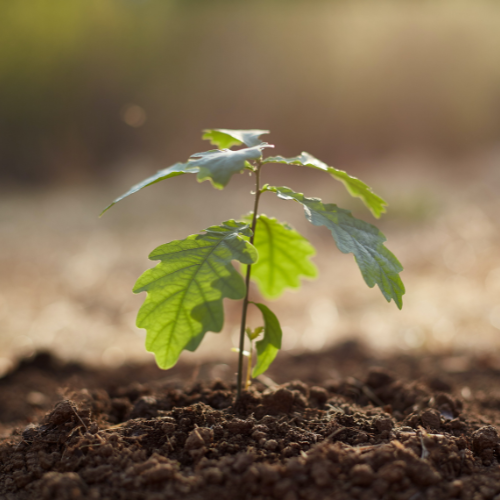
355 426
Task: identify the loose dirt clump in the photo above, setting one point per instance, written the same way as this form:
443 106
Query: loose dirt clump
401 428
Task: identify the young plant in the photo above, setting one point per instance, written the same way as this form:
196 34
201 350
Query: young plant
185 290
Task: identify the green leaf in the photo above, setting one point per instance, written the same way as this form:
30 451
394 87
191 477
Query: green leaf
268 347
185 290
253 334
166 173
377 264
355 186
224 138
283 257
195 342
220 165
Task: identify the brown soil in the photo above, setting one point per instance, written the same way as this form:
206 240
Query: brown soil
355 427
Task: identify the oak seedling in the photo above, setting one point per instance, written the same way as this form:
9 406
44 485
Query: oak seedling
186 288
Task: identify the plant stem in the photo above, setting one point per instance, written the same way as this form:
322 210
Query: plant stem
247 282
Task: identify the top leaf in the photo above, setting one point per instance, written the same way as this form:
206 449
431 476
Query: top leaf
377 264
185 290
224 138
216 165
355 186
166 173
220 165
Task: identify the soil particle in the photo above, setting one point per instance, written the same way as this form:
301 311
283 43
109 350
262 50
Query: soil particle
197 441
485 438
448 406
431 419
383 424
282 401
362 475
379 377
318 396
62 486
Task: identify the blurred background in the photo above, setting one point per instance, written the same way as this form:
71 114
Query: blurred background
96 95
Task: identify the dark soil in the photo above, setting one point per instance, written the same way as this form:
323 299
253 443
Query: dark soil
354 427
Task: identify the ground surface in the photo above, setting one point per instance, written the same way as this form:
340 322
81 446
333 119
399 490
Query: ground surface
355 426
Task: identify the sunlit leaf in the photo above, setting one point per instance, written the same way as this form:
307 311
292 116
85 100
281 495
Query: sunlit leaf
216 165
355 186
377 264
225 138
268 347
284 256
185 290
220 165
166 173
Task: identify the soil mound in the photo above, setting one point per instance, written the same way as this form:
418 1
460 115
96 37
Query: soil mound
353 427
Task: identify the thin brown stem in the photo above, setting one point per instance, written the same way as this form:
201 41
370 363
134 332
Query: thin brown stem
247 282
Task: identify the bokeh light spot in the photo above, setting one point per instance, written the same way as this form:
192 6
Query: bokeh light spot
134 115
